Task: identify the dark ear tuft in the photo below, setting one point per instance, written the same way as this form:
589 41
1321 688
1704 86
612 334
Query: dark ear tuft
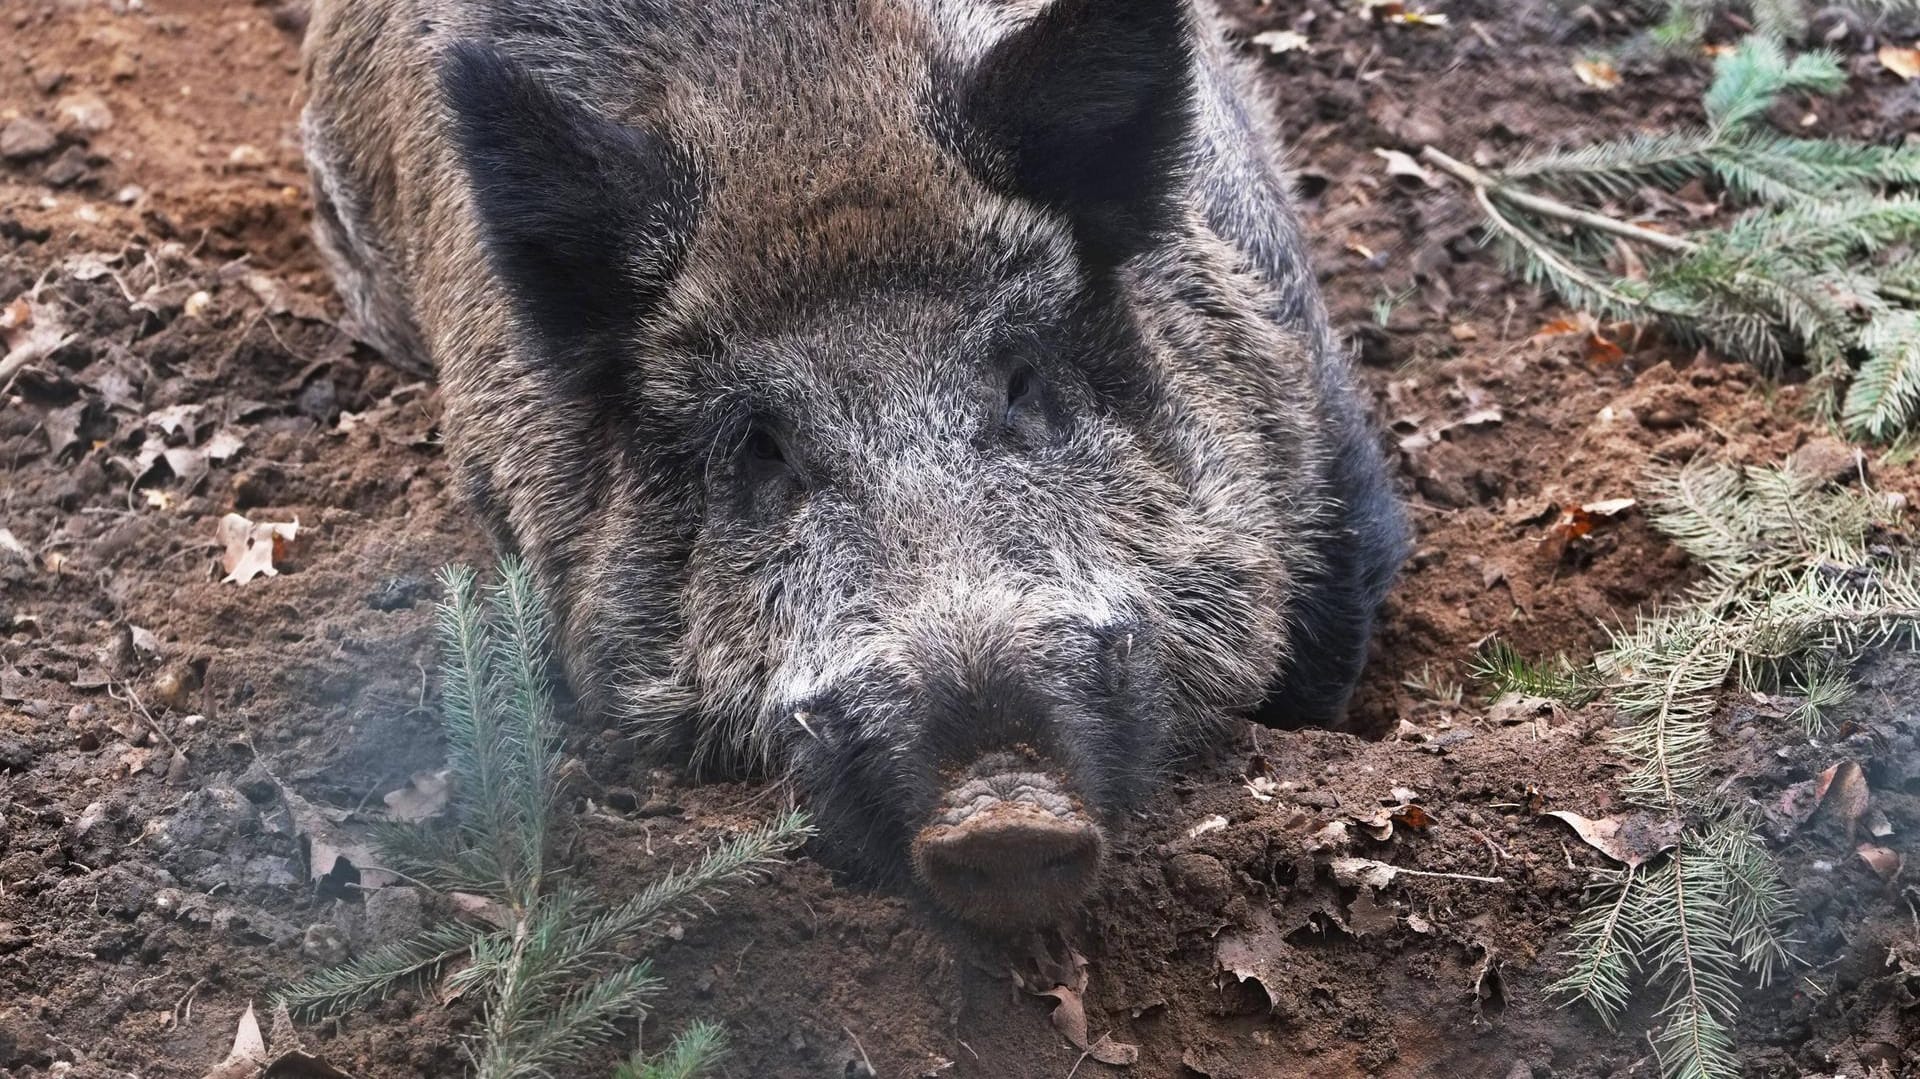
1089 108
582 218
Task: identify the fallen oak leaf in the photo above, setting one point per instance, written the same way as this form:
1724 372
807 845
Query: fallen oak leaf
1069 1016
1211 824
252 549
424 797
1609 507
1601 350
332 858
1631 840
1281 41
1885 862
1902 62
1414 817
30 331
12 545
1597 73
1401 163
1259 954
249 1053
1846 785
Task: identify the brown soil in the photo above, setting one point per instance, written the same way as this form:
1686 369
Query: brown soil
152 882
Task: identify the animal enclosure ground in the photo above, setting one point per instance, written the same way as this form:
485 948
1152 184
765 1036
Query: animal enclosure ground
174 748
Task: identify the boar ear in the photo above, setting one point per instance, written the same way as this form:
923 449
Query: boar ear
1088 109
582 218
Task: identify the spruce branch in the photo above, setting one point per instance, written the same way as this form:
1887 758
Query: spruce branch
693 1051
1799 579
1809 268
556 978
1605 947
406 964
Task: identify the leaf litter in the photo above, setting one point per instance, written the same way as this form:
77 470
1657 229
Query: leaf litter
1065 982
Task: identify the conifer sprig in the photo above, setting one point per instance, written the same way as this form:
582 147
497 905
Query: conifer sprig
1799 579
1683 23
1819 264
550 966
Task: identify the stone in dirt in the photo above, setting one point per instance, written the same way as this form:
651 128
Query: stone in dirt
25 139
1829 460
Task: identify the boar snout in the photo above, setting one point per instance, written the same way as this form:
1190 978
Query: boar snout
1009 847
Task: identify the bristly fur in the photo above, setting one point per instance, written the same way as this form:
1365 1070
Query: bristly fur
870 383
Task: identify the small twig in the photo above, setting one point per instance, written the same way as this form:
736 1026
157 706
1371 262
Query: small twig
863 1050
185 1001
1398 870
1554 208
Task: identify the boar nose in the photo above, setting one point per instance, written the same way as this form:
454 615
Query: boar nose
1009 850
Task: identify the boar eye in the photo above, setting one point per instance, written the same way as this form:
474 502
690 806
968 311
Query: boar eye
1022 388
764 449
1028 416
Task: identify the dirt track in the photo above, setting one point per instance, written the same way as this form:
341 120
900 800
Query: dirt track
152 881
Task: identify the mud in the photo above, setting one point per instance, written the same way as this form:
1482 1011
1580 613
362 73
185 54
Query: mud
154 878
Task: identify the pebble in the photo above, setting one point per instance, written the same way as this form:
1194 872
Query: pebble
1202 879
25 138
1828 460
83 115
324 944
393 913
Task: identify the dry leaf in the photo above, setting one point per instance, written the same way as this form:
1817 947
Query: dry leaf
1211 824
491 911
1070 1018
1365 872
1883 861
1630 840
1611 507
1902 62
1601 350
1878 826
1066 981
1260 954
1845 785
175 420
1332 837
1414 817
252 549
1559 327
423 798
1379 825
14 547
331 856
249 1053
30 331
1400 163
1358 872
1599 74
1280 41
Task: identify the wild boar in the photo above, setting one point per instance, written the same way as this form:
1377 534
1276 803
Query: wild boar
929 399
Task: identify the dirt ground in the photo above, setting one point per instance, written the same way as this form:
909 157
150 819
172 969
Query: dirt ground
158 725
